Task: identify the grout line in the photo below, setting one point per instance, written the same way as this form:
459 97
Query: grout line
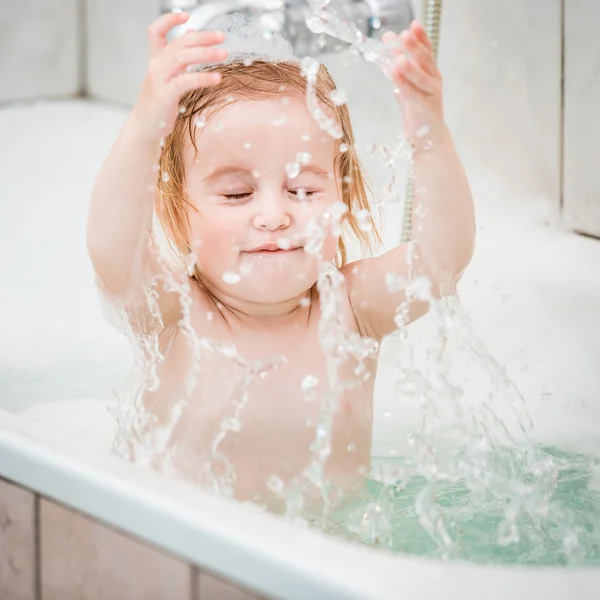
82 46
38 554
561 173
195 583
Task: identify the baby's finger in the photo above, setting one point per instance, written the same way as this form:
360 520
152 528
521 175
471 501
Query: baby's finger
419 52
421 34
199 38
192 81
157 32
185 57
419 78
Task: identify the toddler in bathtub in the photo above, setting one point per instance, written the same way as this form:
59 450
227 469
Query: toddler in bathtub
242 177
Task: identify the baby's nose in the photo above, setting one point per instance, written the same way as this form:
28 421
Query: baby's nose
272 214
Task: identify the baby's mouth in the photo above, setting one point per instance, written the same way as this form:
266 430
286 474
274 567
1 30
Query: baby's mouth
273 248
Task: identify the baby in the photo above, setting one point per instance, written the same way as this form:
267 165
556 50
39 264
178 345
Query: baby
241 176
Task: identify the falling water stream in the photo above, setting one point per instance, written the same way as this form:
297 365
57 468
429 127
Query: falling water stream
472 485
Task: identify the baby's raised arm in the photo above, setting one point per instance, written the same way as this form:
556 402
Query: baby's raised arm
121 207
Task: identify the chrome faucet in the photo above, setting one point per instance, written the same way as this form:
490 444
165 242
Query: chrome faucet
371 17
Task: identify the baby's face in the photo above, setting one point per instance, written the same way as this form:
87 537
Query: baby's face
254 208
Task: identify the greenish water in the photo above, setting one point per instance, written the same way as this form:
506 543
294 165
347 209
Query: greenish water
564 528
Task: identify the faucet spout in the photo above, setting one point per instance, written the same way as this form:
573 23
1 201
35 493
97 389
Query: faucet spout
288 17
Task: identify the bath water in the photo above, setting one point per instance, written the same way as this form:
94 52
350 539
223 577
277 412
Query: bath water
384 516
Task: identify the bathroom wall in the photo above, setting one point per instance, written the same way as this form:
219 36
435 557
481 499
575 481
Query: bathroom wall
501 60
49 551
39 49
582 125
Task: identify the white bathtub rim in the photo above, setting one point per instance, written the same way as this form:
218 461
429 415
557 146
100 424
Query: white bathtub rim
312 566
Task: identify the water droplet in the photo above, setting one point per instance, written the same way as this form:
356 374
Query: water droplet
275 484
218 126
200 121
231 277
247 145
210 316
248 62
285 101
151 188
347 180
165 177
156 168
422 131
304 157
162 124
310 67
279 121
387 414
351 447
255 173
338 97
364 220
182 110
309 383
315 24
411 440
292 170
231 424
305 302
301 194
344 147
305 137
284 243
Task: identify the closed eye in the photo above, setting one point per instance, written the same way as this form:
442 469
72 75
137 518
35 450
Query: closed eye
302 193
240 196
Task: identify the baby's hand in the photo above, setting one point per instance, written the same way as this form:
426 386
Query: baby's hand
167 78
419 84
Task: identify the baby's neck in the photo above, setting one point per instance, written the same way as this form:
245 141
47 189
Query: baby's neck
290 312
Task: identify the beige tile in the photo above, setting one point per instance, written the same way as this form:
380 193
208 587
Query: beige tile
83 560
582 126
501 62
211 588
117 47
17 542
39 49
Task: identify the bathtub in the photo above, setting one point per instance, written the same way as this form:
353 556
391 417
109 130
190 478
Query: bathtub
531 292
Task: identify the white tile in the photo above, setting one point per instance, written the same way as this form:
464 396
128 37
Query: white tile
501 65
117 48
39 49
582 125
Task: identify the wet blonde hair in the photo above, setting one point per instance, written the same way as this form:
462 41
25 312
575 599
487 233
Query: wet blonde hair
255 81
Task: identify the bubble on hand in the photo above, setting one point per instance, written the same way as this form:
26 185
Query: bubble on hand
292 170
231 277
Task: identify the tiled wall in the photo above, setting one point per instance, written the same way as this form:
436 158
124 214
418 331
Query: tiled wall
49 552
39 49
582 125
